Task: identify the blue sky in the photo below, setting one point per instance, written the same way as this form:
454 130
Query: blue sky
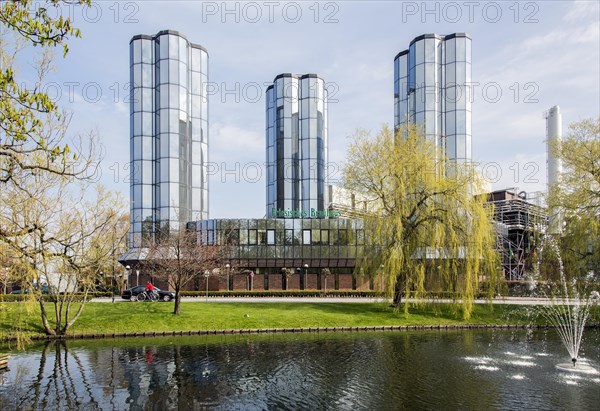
537 54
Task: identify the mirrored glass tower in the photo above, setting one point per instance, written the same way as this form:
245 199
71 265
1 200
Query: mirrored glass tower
168 133
432 88
296 132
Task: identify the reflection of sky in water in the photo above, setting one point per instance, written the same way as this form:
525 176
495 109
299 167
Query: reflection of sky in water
410 370
531 362
521 363
486 368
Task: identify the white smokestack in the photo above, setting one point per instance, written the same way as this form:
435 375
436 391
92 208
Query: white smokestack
554 164
553 137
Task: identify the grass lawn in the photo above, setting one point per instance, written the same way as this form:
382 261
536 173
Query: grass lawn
144 317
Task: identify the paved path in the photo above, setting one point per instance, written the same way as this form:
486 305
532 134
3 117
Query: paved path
501 300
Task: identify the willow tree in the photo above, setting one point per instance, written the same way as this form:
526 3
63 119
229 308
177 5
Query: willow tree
424 228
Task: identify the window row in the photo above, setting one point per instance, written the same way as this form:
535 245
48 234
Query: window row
283 237
170 122
278 224
288 252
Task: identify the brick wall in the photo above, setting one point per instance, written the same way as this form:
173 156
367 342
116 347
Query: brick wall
311 281
275 282
345 281
362 283
294 282
239 282
222 283
258 283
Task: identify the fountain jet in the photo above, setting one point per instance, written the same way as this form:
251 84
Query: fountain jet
567 311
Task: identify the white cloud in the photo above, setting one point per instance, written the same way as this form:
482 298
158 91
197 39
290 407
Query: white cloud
583 10
560 55
229 140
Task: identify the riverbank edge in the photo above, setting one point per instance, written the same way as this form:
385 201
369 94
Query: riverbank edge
309 330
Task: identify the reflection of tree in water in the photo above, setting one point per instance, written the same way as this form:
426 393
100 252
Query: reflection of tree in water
348 371
249 372
167 377
62 384
254 374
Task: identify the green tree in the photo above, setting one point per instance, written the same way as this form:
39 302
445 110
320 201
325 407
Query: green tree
576 199
28 22
424 230
32 127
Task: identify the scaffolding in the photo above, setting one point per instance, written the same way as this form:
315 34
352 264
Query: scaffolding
519 224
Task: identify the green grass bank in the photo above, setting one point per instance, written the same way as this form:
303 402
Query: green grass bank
107 318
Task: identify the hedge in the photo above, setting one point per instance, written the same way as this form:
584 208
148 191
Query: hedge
50 298
316 293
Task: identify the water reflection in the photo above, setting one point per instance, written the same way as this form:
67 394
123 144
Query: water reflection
416 370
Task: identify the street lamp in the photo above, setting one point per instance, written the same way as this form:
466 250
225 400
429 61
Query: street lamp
206 275
228 267
128 268
305 275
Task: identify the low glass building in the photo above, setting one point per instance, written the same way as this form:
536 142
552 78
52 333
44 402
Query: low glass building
287 253
267 245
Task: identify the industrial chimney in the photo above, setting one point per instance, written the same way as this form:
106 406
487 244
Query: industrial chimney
554 164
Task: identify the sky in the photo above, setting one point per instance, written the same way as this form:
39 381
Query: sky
526 58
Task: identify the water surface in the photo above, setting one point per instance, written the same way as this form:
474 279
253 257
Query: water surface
433 370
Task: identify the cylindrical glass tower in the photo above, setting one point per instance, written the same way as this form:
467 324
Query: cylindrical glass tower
296 130
432 88
168 134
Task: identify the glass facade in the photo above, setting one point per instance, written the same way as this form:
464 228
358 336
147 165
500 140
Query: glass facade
432 88
296 135
277 243
168 133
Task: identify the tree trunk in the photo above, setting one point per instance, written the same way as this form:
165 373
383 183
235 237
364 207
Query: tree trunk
69 323
45 323
397 292
177 309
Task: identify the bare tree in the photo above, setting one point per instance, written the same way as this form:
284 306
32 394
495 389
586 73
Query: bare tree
58 229
180 259
46 218
5 277
286 273
325 273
